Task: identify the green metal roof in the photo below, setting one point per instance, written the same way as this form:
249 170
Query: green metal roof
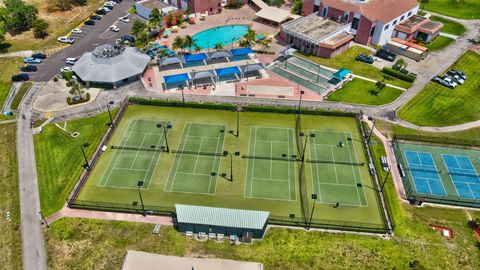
225 217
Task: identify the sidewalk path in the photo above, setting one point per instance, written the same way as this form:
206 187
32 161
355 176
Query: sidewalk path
448 35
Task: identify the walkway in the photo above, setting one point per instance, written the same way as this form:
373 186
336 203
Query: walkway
11 96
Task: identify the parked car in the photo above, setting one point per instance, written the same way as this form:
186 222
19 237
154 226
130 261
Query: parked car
114 28
89 22
459 73
65 39
101 11
71 60
127 38
39 55
76 31
365 58
117 1
450 82
66 69
96 17
106 9
124 19
444 82
456 78
31 60
29 68
109 4
20 77
386 54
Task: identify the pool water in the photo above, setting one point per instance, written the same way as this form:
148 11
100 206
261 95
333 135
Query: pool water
223 34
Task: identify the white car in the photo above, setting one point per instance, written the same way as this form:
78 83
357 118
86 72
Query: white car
77 31
110 4
114 28
124 19
106 9
71 60
449 82
66 39
66 69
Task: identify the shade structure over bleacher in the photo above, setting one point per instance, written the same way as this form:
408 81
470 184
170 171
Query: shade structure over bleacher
176 78
195 57
164 61
251 67
241 51
202 74
227 71
219 54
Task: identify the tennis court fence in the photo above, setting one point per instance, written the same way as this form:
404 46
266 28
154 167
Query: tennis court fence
451 142
96 155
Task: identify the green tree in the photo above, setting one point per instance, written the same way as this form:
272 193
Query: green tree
244 43
40 28
155 18
196 47
189 42
379 85
218 46
423 3
250 36
141 40
297 7
138 27
18 16
178 43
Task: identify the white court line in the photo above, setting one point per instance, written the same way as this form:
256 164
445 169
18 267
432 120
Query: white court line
205 137
334 165
130 169
213 178
119 154
248 162
451 179
156 155
253 162
179 156
316 168
189 173
353 168
274 141
138 151
288 164
196 160
270 179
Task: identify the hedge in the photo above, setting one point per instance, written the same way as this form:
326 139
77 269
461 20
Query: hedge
174 103
398 74
71 101
291 110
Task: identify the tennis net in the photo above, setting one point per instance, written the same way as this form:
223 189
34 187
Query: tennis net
471 174
197 153
282 158
136 148
336 162
422 169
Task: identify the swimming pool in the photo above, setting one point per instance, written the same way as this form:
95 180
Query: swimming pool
223 34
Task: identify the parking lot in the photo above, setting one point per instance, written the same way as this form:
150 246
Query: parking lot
90 37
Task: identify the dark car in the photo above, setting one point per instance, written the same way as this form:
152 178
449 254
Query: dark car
365 58
89 22
386 54
96 17
116 1
39 55
29 68
20 77
100 12
127 38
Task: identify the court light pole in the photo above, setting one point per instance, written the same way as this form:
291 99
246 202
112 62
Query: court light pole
165 127
381 186
139 186
43 219
110 115
82 146
371 131
238 123
311 135
314 198
300 99
225 153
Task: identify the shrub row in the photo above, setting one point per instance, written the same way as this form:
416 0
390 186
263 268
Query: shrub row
72 101
174 103
290 110
398 74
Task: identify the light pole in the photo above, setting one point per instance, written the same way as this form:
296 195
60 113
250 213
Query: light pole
110 115
238 123
183 96
300 100
371 131
311 135
44 220
225 153
165 127
139 186
314 198
82 146
381 186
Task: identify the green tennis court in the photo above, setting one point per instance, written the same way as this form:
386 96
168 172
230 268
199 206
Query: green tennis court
335 168
131 162
194 170
268 178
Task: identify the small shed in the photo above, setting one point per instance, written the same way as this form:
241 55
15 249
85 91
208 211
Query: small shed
407 49
225 221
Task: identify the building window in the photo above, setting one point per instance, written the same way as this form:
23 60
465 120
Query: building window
372 31
316 8
394 22
324 12
345 18
355 23
386 27
403 17
409 14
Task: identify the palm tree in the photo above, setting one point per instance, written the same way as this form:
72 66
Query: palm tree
243 43
250 35
178 43
76 87
379 85
189 42
155 18
138 27
218 46
423 4
196 47
266 43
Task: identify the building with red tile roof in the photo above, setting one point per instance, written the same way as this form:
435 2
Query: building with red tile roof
372 21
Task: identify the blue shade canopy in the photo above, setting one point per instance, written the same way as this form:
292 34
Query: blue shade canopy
241 51
176 78
227 71
340 74
195 57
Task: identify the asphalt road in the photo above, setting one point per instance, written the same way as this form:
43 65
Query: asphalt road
91 37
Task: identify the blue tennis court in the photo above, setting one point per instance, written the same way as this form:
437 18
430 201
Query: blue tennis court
424 173
463 175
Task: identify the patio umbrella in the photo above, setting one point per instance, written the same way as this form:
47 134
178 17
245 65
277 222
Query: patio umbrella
165 42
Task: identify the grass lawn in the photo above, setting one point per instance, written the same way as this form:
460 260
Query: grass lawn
437 105
347 60
20 94
61 22
85 244
10 243
462 9
360 92
8 67
439 43
59 158
449 26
